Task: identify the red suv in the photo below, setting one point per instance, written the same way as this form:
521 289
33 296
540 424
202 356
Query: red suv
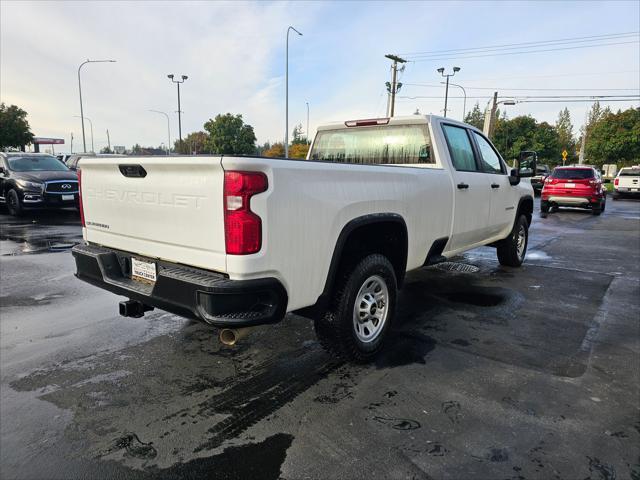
573 187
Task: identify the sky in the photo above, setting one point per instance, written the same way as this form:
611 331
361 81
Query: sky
234 56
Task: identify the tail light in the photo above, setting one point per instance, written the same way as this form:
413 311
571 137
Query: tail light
80 197
615 181
242 227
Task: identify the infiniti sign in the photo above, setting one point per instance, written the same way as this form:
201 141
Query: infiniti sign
66 186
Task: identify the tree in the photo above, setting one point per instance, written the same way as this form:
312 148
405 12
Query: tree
14 127
260 149
105 150
276 151
228 134
524 133
299 150
614 138
475 117
564 127
298 137
194 143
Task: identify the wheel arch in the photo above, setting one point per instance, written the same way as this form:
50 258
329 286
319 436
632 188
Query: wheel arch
353 244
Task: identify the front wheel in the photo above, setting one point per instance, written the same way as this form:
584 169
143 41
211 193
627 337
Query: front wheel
511 250
13 203
362 312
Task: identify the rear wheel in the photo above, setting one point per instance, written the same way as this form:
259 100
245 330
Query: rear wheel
511 250
363 309
13 203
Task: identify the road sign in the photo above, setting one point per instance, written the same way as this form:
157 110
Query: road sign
564 154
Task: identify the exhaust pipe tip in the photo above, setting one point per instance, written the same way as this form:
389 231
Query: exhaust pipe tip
231 336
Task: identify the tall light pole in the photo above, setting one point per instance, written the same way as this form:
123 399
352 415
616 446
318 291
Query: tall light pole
464 106
91 124
178 82
446 94
168 129
84 143
307 122
286 115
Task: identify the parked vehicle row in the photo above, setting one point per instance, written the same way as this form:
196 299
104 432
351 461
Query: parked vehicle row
240 241
574 187
627 182
35 181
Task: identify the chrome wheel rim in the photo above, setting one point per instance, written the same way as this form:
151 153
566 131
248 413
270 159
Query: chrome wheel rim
371 309
521 241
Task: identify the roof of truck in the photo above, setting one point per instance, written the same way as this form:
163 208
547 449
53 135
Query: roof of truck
400 120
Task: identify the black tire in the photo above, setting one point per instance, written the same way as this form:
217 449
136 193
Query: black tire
13 203
604 205
596 210
544 207
508 252
337 329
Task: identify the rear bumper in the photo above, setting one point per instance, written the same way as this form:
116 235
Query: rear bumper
185 291
568 201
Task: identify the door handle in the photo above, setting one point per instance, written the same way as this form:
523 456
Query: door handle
462 186
495 185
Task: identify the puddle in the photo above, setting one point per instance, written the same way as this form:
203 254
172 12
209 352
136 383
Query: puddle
475 298
20 246
404 348
537 255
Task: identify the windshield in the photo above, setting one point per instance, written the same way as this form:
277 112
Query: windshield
573 173
386 144
42 163
631 172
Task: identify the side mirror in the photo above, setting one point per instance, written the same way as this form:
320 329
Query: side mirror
525 167
2 170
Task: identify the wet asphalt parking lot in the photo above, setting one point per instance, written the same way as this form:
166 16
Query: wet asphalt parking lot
490 372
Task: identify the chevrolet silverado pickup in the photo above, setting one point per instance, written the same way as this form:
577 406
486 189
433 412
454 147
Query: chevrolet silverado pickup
240 241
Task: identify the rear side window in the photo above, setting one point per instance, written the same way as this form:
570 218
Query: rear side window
379 145
575 173
460 148
629 172
488 157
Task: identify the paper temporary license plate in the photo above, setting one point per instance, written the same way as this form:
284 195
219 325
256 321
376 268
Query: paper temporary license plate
143 271
569 185
67 197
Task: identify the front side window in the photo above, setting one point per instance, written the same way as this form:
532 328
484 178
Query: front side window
378 145
43 163
489 159
460 148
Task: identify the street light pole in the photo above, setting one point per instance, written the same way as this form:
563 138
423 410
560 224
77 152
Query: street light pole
91 124
84 143
168 129
464 107
178 82
286 115
446 94
307 122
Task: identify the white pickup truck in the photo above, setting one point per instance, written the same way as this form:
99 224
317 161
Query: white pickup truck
627 182
241 241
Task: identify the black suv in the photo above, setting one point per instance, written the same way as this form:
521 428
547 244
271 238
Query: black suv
35 180
537 181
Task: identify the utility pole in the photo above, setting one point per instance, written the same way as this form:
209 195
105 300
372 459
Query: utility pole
307 122
82 117
489 122
108 141
394 87
71 142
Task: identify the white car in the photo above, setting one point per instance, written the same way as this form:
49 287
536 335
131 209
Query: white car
627 182
240 241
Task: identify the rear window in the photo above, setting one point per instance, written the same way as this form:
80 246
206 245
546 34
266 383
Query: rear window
379 145
630 172
575 173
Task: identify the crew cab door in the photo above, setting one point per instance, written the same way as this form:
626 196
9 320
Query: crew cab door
472 190
503 197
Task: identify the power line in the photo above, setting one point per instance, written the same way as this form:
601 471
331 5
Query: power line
536 43
531 89
523 52
591 97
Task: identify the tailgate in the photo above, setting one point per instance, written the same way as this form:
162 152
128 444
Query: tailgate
163 207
